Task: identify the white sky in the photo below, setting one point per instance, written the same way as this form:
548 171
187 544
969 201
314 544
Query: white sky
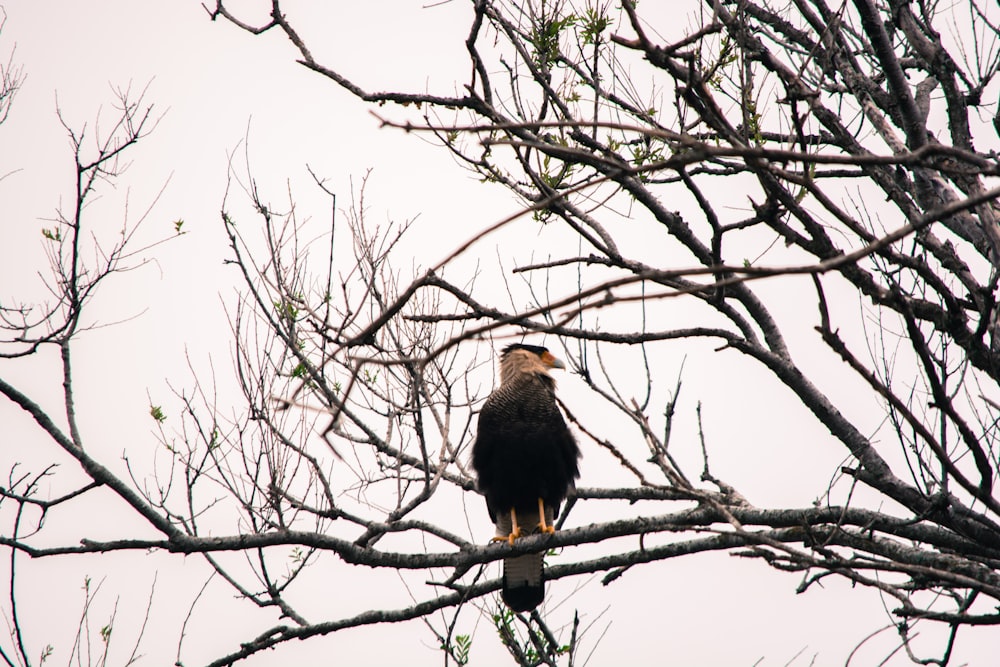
213 82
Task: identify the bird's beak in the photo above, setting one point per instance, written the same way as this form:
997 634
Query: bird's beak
551 361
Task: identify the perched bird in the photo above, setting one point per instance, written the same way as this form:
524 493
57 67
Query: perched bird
526 461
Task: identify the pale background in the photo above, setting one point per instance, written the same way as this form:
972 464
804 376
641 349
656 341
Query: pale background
220 90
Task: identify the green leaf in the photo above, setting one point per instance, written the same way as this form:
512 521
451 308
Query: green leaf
595 22
463 644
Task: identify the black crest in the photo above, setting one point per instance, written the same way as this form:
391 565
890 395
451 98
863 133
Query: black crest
535 349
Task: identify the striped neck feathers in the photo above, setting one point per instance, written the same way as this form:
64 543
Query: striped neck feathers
518 363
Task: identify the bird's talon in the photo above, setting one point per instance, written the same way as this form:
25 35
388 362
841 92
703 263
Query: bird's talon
509 539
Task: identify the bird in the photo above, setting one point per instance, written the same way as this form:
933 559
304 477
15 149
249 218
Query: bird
526 462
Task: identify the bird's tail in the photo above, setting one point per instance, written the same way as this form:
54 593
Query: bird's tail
523 578
523 582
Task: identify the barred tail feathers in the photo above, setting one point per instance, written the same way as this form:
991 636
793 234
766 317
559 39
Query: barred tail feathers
523 582
523 576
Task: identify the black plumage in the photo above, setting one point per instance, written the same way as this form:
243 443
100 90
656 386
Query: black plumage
526 461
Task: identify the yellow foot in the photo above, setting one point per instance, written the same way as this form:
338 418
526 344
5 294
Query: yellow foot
509 539
515 530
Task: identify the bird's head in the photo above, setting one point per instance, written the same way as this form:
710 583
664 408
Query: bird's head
519 358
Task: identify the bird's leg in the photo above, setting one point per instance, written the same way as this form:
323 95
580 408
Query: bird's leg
515 530
543 525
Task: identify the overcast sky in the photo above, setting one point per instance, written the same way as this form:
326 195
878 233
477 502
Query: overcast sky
220 92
